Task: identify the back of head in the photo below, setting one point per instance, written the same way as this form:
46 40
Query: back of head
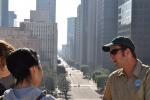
2 89
20 61
5 48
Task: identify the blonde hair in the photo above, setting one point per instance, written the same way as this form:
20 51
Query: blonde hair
5 48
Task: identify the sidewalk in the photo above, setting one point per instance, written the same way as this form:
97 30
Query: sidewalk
93 85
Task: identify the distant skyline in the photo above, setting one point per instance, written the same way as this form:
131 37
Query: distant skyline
64 9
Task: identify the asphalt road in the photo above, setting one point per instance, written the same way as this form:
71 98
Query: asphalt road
81 89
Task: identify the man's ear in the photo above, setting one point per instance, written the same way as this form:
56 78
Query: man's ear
127 52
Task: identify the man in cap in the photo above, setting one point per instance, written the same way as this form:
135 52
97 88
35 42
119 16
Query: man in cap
131 80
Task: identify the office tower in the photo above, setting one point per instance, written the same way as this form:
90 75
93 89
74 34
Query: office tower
4 13
134 22
106 29
47 8
12 17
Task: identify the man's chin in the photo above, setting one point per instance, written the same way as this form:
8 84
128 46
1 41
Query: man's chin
117 66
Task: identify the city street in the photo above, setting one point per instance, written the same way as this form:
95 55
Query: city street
81 89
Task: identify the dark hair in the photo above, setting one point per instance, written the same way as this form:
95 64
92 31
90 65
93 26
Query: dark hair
2 89
132 51
20 61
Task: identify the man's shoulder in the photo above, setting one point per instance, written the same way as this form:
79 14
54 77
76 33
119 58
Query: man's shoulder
145 66
116 73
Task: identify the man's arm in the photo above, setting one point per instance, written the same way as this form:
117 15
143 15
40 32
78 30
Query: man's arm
107 91
147 86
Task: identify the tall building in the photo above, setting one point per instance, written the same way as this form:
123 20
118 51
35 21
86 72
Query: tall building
78 38
46 34
14 35
134 21
4 13
47 8
106 28
91 34
43 26
83 34
12 17
71 32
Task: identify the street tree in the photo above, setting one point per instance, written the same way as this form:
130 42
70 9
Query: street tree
64 86
49 84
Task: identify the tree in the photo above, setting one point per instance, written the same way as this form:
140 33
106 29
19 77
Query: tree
49 84
61 69
64 86
100 77
100 81
85 69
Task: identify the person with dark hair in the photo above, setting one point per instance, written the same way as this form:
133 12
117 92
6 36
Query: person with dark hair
2 89
24 65
6 79
131 80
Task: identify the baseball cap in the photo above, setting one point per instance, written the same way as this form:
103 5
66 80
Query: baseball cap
120 40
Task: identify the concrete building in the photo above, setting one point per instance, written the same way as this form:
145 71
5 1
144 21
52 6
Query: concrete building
45 9
71 31
83 30
19 38
43 26
12 17
91 34
46 34
4 13
134 22
107 11
65 52
78 38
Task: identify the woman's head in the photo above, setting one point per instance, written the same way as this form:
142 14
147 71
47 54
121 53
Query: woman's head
5 49
23 64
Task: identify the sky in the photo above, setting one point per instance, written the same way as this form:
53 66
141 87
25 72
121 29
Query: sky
64 9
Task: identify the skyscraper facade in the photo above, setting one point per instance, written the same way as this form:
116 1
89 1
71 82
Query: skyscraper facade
71 32
4 13
48 7
134 21
106 28
43 26
12 17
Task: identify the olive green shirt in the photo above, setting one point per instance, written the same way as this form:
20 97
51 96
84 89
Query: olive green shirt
137 87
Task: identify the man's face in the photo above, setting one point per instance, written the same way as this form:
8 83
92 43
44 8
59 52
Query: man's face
117 55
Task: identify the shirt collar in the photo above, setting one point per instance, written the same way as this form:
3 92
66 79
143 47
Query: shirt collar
121 72
137 68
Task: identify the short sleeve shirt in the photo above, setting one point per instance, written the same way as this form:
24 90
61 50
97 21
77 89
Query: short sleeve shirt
137 87
7 81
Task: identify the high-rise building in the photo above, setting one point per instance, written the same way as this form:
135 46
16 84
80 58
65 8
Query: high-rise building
43 26
134 22
45 9
11 18
46 34
4 13
19 38
78 38
106 28
83 34
71 31
91 34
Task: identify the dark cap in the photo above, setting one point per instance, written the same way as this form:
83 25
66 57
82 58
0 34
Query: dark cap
120 40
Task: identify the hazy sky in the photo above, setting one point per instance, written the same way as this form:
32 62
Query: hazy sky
64 9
